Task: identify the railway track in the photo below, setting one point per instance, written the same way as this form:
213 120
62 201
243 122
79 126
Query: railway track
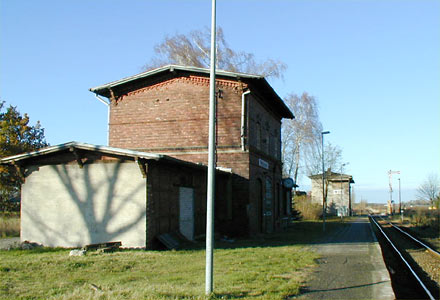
414 266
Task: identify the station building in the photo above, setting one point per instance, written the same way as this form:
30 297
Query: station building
158 138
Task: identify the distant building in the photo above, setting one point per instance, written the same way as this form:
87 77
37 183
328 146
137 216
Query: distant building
338 187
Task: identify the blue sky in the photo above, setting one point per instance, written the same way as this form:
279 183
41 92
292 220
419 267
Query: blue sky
373 66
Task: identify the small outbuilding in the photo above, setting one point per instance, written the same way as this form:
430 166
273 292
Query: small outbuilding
338 191
76 194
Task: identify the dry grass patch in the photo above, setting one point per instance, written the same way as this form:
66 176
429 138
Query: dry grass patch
9 225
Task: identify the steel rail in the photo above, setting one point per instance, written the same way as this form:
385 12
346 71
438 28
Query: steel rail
414 239
404 260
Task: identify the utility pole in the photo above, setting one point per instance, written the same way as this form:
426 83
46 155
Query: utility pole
400 204
390 202
209 275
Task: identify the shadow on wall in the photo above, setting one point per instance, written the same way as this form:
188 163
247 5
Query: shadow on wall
69 206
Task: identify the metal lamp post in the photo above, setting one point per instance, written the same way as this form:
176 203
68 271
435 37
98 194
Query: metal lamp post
211 164
342 166
324 200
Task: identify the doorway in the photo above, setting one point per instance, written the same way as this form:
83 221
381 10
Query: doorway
268 206
186 212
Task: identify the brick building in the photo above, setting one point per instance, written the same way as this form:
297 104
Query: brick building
166 111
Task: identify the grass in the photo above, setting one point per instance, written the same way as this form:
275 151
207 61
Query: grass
273 267
9 225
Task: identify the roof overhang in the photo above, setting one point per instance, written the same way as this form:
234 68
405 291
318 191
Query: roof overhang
103 90
79 146
29 158
119 87
334 177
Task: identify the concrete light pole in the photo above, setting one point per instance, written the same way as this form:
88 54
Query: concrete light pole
342 166
400 203
209 277
324 198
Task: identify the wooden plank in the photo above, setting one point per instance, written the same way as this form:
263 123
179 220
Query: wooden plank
102 245
169 241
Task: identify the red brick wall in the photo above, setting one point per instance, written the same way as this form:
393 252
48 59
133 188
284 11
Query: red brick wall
174 114
258 173
264 144
171 117
163 182
264 130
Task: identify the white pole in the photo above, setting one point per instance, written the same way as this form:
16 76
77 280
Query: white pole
323 183
211 165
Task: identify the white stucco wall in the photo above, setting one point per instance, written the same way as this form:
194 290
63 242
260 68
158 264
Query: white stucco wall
66 206
334 198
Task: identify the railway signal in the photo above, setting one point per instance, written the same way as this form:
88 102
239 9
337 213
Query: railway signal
390 202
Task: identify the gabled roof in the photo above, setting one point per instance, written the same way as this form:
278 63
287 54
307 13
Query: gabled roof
169 68
25 158
332 176
256 81
80 146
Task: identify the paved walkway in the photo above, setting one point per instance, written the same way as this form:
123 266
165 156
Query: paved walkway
351 266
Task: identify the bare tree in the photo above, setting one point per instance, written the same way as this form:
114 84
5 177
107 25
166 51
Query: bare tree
299 134
193 49
430 189
332 158
332 161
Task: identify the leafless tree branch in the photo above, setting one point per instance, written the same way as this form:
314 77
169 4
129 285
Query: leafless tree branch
193 49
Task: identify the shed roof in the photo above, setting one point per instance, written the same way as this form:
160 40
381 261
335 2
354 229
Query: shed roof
26 158
258 82
81 146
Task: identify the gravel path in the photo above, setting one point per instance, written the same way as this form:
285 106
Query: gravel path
428 262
